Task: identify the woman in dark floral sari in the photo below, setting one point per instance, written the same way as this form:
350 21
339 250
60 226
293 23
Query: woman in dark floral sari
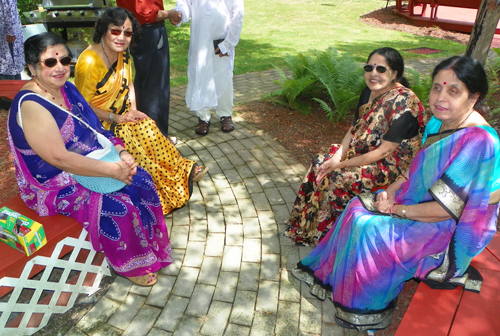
385 135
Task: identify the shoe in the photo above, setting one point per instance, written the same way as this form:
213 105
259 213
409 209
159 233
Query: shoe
227 124
144 280
318 292
199 171
300 275
202 127
173 140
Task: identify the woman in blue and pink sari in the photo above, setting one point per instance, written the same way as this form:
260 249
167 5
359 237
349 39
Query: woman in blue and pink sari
49 145
428 224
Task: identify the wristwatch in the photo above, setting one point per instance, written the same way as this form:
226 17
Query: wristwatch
403 211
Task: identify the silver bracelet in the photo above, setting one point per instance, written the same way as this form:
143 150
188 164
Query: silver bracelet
111 116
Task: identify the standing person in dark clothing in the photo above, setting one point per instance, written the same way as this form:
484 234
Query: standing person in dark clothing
152 59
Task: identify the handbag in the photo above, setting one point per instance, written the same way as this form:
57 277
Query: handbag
108 153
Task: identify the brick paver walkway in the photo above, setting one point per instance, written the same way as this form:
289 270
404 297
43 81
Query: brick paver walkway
230 274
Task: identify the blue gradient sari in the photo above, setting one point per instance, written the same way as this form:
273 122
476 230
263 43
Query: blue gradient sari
366 259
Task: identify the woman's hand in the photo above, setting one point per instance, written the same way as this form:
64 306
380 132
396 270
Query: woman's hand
125 172
127 158
134 116
327 167
384 201
130 161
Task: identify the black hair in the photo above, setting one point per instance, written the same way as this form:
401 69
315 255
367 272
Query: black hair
470 72
116 16
36 45
394 60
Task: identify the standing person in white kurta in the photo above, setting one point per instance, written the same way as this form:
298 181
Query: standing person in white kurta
210 65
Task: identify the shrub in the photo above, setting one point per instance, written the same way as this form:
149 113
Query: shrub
336 76
493 72
419 84
334 81
342 78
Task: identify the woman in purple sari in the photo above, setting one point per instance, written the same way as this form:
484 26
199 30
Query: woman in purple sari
430 223
50 132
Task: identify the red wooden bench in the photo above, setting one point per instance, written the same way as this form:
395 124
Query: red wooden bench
434 4
9 88
457 312
15 265
56 228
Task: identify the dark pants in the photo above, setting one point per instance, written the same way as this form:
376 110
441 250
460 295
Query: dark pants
152 74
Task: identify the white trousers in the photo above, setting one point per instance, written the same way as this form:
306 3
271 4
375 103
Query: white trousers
224 108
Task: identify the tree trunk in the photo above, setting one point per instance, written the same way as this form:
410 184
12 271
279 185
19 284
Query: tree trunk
483 31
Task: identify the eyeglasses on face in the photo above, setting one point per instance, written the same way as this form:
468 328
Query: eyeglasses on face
379 68
51 62
118 32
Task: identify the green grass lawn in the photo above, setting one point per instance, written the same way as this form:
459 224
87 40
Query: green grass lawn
275 28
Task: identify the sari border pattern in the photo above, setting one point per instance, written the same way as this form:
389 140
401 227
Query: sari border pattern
448 199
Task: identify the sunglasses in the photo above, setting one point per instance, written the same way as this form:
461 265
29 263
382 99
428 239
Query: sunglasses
118 32
379 68
51 62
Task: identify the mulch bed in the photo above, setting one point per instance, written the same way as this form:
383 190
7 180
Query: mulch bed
386 18
304 135
8 183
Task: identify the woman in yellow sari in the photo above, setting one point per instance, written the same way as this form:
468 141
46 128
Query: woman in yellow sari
103 75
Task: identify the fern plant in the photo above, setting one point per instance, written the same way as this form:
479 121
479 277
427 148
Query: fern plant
419 84
343 80
292 87
493 71
329 73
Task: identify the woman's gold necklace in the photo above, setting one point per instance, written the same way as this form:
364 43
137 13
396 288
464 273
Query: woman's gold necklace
463 121
107 58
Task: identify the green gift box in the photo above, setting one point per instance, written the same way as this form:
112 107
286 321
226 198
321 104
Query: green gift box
20 232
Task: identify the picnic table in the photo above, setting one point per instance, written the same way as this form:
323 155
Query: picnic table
434 4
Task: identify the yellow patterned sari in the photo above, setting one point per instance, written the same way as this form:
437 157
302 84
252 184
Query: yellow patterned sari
109 90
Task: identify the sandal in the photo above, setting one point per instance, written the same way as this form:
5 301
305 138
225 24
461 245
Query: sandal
226 124
144 280
202 127
173 140
199 171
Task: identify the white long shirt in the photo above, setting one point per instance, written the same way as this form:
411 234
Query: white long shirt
209 74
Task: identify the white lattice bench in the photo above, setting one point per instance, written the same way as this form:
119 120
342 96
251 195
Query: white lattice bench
81 273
